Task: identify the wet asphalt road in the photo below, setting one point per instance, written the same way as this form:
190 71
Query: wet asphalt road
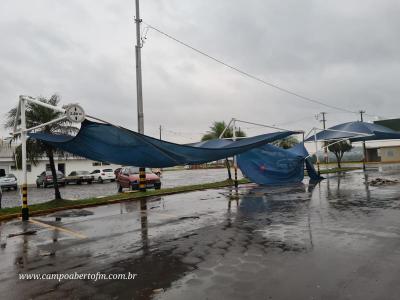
339 239
73 191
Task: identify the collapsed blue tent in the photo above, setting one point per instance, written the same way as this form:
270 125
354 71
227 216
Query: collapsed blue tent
108 143
269 164
356 131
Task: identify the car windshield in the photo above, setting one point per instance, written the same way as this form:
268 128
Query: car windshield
107 170
135 170
82 172
48 173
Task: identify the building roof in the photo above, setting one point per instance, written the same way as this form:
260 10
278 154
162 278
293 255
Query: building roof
390 123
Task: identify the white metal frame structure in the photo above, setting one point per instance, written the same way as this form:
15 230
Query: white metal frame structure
314 129
23 132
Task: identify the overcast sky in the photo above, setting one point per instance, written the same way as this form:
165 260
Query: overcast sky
345 53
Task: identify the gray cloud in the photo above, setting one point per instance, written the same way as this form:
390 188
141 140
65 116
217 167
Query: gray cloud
343 52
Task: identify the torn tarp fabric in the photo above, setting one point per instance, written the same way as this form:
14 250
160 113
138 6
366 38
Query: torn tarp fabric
269 164
113 144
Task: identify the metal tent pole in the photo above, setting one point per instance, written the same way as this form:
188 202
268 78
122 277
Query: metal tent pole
234 158
228 165
363 143
316 150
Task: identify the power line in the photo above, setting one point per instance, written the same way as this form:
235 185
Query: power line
250 75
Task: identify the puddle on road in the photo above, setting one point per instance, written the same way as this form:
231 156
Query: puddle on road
231 240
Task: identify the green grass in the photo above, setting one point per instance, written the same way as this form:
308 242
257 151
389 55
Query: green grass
55 205
335 170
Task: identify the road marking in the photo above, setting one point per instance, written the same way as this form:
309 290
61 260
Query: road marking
70 232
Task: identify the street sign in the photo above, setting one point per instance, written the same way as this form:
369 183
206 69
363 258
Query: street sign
75 113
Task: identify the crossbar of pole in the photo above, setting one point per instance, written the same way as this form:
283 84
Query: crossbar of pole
49 106
41 125
353 132
226 128
268 126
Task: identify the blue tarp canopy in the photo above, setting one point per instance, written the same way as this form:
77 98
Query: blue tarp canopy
108 143
356 131
269 164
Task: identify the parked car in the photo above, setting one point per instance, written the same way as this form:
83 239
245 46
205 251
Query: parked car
157 171
116 171
46 178
9 182
103 175
79 177
128 177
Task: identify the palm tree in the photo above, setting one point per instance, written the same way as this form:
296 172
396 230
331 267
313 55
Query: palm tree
287 142
215 132
37 115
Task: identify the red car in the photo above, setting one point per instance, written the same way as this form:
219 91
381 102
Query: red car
128 177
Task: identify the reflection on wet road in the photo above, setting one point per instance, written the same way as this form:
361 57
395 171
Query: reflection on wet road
339 239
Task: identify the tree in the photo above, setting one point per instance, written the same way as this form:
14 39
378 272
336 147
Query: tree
215 132
37 115
287 142
339 148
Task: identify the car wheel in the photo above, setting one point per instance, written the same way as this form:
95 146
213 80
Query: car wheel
157 186
37 185
112 180
89 182
79 182
15 187
119 187
44 185
101 180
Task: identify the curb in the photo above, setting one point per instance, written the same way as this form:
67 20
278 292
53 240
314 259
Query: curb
106 202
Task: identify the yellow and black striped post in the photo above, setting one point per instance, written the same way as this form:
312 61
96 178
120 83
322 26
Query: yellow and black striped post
142 179
25 209
236 177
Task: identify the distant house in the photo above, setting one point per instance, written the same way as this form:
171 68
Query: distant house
385 152
66 164
388 151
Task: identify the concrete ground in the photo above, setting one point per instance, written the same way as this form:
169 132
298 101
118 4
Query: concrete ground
339 239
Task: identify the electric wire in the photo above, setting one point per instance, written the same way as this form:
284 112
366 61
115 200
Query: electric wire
285 90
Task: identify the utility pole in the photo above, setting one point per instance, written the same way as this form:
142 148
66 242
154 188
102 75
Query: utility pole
160 132
364 147
325 143
24 187
139 94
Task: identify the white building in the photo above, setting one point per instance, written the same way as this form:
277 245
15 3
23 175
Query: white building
65 164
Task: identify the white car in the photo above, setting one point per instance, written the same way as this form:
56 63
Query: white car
103 175
9 181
